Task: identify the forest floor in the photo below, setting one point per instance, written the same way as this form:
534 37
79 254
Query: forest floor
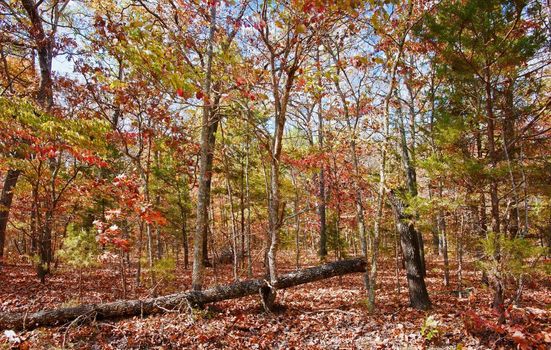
329 314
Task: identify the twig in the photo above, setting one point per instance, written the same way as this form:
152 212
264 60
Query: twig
332 310
190 310
69 327
173 311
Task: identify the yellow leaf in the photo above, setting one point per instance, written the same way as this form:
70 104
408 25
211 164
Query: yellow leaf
301 28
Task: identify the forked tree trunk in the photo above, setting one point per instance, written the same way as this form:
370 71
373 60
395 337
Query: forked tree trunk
382 169
44 47
178 301
362 231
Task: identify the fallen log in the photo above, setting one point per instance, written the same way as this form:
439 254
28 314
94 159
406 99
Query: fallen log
174 302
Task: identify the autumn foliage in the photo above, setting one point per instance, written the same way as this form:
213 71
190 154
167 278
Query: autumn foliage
153 147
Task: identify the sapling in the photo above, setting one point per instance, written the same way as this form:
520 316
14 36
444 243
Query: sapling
80 250
508 258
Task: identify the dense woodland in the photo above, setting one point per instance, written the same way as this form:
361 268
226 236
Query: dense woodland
165 156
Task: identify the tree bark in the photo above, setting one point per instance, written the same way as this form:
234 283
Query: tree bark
5 204
322 205
173 302
443 237
44 48
248 199
234 233
494 196
185 242
242 214
214 120
411 182
203 192
276 208
297 218
322 199
418 295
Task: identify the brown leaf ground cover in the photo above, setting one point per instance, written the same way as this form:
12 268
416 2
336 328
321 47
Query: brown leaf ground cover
329 314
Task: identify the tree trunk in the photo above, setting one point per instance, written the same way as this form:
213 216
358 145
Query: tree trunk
382 173
128 308
418 295
276 209
234 233
5 205
411 182
443 238
44 48
45 246
203 192
242 214
362 231
185 242
460 254
444 247
214 120
360 217
510 151
248 199
123 275
158 238
494 197
321 194
274 225
297 219
322 213
150 258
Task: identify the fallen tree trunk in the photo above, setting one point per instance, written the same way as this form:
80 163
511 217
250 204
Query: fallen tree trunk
128 308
